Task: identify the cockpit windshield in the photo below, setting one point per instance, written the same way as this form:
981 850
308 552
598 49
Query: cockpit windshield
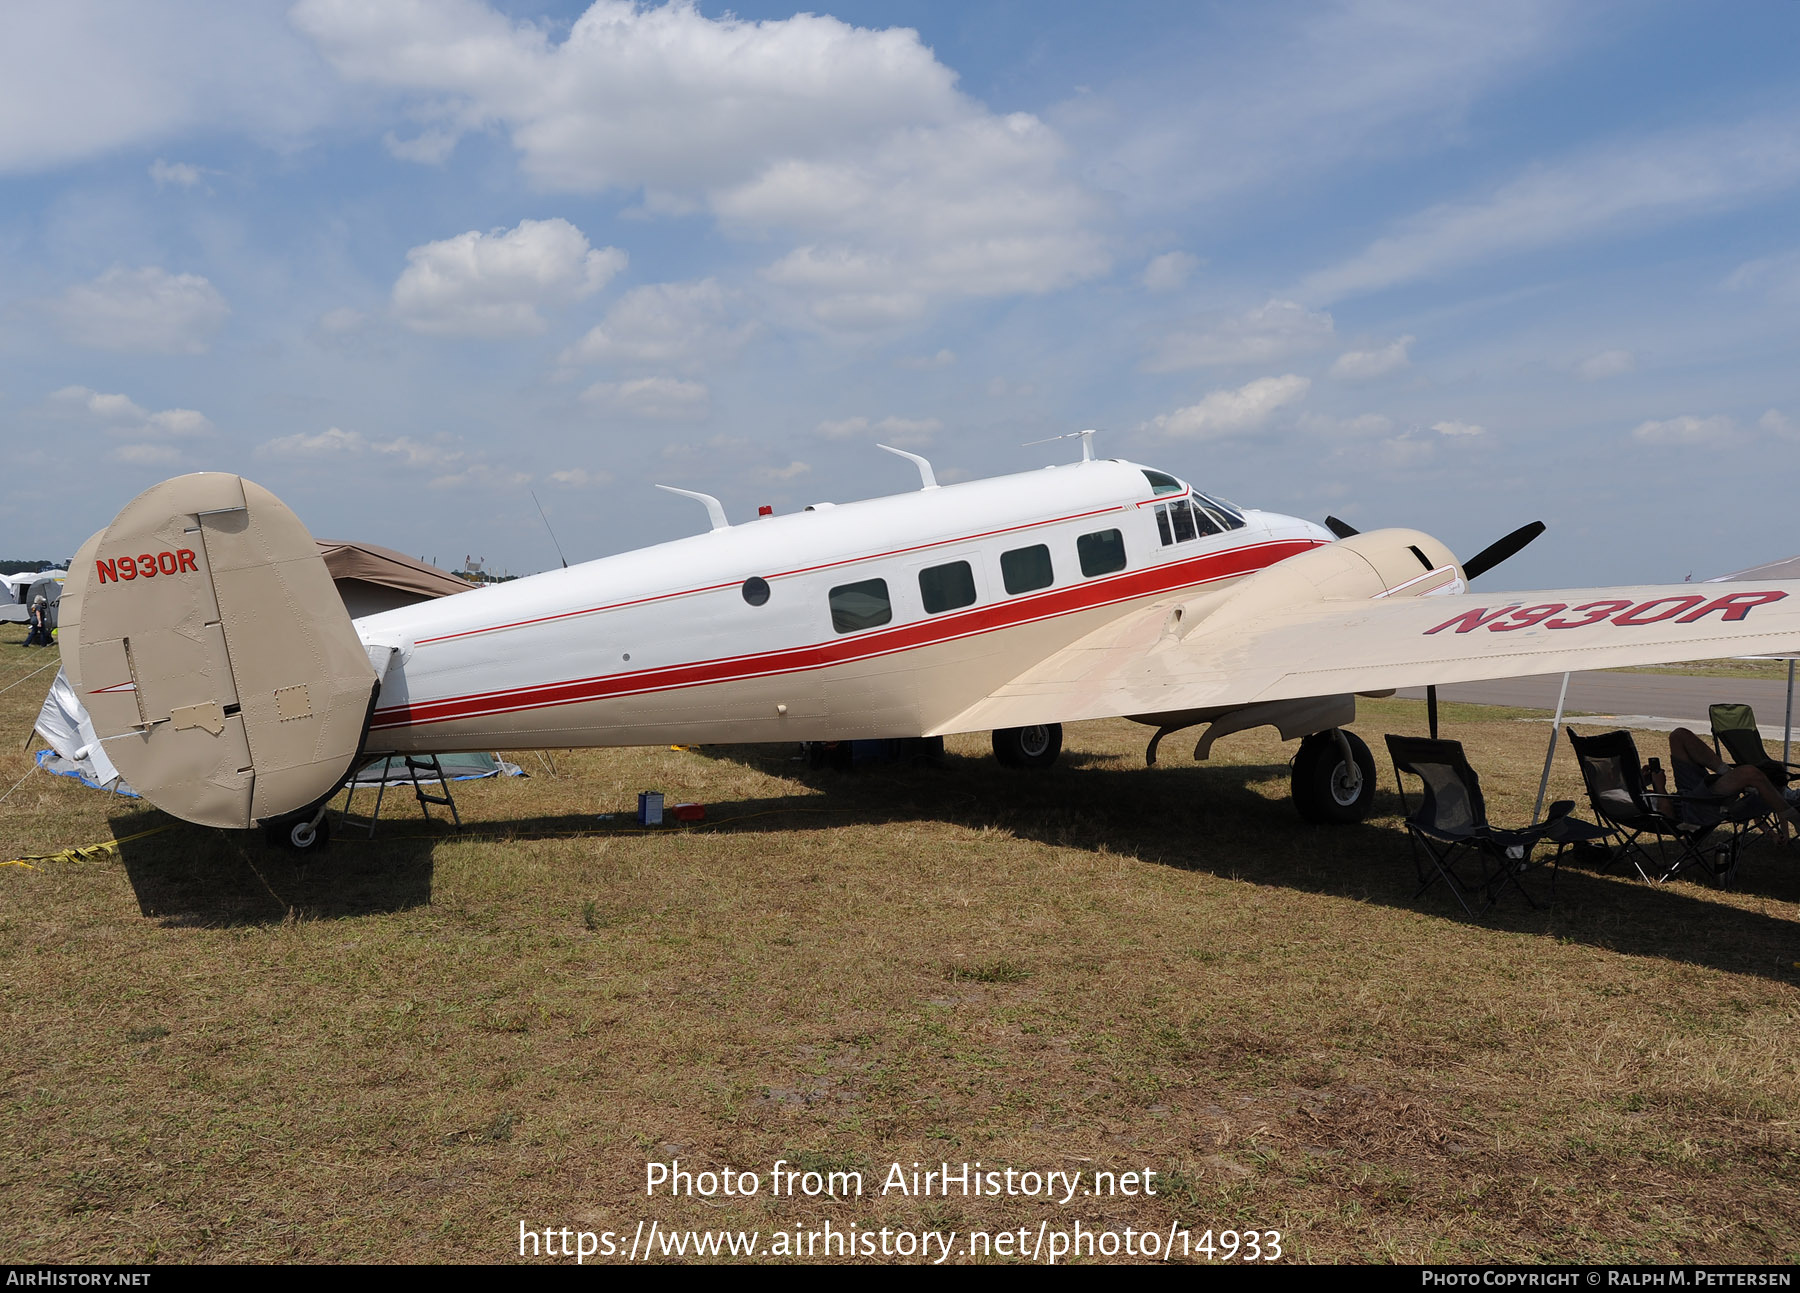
1193 516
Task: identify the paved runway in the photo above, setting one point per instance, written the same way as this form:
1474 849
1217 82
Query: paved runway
1675 699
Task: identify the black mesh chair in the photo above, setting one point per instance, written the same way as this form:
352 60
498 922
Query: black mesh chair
1451 838
1691 828
1735 732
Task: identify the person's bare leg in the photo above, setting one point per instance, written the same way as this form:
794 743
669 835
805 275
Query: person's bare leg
1744 777
1689 748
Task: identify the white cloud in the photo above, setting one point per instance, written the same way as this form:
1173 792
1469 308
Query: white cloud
1407 451
1224 413
1308 90
1608 363
843 428
1361 427
80 79
662 398
924 363
1271 331
1458 430
482 474
908 432
894 186
181 174
1169 272
334 443
146 310
666 325
122 415
1775 422
1366 365
793 471
1776 276
109 408
903 432
1686 430
579 477
493 284
181 422
1659 178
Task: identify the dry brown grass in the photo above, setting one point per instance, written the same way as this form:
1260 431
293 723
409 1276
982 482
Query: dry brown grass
401 1049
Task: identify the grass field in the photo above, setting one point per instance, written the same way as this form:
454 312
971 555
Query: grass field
1732 667
401 1049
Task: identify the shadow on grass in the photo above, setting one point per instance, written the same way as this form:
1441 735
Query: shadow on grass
1210 818
1214 819
194 876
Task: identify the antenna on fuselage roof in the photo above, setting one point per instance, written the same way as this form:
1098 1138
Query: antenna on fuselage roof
1087 442
927 478
546 520
715 510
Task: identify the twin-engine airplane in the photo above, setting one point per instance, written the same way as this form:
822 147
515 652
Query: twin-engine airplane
232 688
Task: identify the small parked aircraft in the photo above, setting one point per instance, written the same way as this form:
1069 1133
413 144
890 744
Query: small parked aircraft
232 689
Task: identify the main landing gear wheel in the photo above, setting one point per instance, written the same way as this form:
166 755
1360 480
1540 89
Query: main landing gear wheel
1028 747
301 835
1329 789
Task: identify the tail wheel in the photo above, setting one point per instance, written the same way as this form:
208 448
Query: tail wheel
1329 789
1028 747
302 835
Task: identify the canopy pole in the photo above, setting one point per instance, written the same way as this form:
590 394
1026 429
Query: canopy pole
1431 710
1537 814
1787 735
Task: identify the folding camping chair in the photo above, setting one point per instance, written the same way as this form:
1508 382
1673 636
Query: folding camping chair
1734 729
1680 827
1451 837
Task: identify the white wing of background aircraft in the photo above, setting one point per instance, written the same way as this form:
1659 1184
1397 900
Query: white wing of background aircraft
232 689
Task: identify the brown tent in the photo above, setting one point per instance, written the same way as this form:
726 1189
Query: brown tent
372 579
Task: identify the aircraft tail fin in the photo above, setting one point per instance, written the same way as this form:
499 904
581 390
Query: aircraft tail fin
204 635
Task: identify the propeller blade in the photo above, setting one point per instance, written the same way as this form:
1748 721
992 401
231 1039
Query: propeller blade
1495 553
1343 529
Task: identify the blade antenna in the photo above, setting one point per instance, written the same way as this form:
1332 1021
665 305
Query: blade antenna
1087 442
927 478
715 510
546 520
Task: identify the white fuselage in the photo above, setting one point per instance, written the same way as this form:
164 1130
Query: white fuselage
673 643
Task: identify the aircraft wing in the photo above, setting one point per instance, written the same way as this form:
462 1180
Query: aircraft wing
1211 654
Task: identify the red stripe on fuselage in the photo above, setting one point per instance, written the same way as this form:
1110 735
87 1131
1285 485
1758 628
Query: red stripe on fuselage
1147 582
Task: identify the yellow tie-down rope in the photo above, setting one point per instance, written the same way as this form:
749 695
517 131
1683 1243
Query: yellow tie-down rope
87 853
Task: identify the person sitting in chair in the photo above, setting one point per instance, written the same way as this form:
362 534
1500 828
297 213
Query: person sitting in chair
1700 772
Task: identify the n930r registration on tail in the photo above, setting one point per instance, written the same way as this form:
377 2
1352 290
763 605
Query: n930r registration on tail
206 638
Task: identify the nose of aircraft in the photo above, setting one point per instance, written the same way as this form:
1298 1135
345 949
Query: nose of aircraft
1298 526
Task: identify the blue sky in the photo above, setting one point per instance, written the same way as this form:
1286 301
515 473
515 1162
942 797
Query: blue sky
1456 267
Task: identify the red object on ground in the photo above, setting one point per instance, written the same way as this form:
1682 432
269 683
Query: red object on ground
688 812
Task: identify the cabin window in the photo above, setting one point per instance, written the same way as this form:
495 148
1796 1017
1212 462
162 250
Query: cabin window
756 590
1101 553
862 605
1024 569
1232 516
1161 484
946 587
1183 519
